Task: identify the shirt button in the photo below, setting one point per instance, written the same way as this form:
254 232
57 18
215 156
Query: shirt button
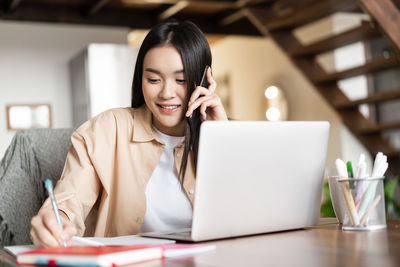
191 191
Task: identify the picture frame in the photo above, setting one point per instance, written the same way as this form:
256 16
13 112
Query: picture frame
28 116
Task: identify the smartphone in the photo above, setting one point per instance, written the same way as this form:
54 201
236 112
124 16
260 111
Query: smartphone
204 81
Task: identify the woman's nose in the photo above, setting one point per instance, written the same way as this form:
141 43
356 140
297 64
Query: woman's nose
167 90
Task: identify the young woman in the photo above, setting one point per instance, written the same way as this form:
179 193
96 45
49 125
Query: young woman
132 170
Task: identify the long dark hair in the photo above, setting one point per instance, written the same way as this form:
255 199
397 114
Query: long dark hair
193 47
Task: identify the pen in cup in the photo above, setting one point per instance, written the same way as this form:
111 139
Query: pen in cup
349 169
49 187
348 197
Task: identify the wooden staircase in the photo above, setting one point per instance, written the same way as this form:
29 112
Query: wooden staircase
385 20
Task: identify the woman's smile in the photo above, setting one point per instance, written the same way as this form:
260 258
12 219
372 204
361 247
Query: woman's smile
169 109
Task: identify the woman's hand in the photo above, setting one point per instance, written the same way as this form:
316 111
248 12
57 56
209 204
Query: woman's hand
210 104
46 232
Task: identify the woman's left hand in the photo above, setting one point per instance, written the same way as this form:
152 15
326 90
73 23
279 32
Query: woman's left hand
210 104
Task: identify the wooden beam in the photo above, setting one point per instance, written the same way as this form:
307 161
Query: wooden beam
376 65
210 24
253 16
173 10
57 13
232 18
380 127
375 98
11 5
94 7
387 14
120 17
285 8
364 32
303 15
138 2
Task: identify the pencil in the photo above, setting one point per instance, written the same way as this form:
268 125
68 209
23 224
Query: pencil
342 170
373 205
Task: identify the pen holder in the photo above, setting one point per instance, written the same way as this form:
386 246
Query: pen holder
359 203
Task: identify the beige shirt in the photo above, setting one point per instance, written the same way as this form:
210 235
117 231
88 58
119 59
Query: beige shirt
111 159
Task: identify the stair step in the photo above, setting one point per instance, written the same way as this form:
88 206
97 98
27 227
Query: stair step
380 127
311 13
364 32
375 98
376 65
387 15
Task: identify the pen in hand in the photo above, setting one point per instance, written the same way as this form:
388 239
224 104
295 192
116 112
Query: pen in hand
49 187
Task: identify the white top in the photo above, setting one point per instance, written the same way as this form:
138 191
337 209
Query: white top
167 206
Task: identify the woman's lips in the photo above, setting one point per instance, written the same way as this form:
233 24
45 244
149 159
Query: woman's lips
168 108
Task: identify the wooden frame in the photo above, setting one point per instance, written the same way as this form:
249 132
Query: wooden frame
12 126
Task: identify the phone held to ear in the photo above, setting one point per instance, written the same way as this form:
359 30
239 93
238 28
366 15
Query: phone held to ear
204 81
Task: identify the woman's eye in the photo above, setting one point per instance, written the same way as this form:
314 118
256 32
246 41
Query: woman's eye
152 80
181 81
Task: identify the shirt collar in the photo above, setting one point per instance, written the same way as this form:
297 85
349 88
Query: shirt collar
142 125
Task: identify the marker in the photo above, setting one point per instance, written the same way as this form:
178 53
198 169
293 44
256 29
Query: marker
350 173
379 169
353 215
361 186
349 169
49 187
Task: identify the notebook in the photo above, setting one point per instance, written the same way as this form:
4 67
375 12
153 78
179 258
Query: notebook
255 177
107 256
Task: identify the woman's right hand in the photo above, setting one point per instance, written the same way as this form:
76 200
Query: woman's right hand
45 231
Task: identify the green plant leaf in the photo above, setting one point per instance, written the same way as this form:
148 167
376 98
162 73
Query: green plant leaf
390 187
326 191
326 207
327 210
396 208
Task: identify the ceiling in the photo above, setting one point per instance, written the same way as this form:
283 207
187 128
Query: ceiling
212 16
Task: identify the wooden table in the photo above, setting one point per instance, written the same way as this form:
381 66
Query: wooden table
323 245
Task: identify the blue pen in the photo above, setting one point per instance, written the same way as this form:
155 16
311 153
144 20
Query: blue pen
49 187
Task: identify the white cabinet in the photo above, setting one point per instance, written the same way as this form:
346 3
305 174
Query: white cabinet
101 78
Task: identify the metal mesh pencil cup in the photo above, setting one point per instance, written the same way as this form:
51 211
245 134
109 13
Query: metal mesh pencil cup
359 203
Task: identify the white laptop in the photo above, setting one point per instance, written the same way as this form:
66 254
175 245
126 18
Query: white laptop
256 177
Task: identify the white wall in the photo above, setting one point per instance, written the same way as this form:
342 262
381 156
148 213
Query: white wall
34 66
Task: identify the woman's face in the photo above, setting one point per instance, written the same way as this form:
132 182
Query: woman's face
164 89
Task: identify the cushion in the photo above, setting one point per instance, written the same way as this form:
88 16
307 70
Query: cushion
32 156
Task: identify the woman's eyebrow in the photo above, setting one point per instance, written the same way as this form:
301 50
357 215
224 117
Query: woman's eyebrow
152 70
179 71
158 72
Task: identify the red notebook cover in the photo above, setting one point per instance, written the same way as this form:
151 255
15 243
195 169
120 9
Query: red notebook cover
90 256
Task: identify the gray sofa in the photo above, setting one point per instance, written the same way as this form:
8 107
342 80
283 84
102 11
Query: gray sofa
32 156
